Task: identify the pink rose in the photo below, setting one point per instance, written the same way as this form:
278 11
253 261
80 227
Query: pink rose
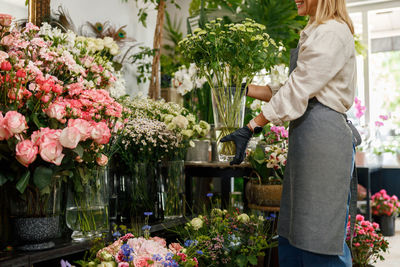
175 247
101 133
15 122
3 56
142 261
51 151
160 241
56 111
83 126
26 152
7 40
123 264
5 20
70 137
102 160
4 132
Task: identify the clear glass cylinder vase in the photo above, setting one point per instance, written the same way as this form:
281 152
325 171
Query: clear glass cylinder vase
228 108
173 189
144 197
87 207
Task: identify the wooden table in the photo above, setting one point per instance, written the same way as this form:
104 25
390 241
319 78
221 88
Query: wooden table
222 170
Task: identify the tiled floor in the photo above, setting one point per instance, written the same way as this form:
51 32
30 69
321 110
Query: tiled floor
392 257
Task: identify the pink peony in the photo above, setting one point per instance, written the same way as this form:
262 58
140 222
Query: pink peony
160 241
101 133
15 122
26 152
5 20
102 160
83 126
142 261
70 137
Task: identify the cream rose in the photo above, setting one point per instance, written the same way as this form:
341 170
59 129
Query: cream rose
70 137
196 223
180 121
244 218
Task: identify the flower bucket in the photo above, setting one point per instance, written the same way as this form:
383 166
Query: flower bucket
388 225
228 108
263 195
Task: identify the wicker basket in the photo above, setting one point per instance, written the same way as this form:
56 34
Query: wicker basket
263 195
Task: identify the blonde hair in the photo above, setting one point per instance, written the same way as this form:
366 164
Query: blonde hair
333 9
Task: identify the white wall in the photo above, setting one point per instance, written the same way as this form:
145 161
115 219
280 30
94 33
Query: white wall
118 13
16 8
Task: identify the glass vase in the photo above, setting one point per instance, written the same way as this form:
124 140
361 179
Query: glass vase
143 191
173 189
87 209
228 108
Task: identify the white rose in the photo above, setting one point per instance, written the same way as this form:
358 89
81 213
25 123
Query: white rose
255 105
108 42
197 129
180 121
171 126
70 137
187 133
196 223
244 218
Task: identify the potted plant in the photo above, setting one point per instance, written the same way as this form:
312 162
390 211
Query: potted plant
54 123
268 161
368 243
228 238
227 55
385 209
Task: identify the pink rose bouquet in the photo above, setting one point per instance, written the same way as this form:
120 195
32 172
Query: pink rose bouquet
56 115
368 243
384 205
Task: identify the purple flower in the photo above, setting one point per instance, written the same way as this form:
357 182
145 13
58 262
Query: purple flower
148 213
146 227
65 264
117 234
210 194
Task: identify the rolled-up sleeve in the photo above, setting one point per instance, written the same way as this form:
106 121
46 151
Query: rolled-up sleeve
321 57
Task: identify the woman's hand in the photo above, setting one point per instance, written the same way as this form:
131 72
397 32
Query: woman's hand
241 138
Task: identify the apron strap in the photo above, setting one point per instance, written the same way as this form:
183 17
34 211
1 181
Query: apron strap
353 205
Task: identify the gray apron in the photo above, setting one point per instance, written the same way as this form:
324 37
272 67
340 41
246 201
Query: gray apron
317 177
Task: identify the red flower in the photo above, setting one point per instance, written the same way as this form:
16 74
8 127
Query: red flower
6 66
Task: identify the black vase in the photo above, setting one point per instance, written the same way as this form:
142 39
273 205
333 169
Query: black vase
387 225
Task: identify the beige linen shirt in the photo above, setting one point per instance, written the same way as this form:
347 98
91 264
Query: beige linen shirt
326 69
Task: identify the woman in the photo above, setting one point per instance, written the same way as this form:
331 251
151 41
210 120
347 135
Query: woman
313 214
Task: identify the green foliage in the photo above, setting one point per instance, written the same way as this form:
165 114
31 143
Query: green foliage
143 63
231 5
142 12
280 18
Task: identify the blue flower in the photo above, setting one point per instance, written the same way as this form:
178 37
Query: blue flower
65 264
210 194
169 256
189 243
273 215
116 234
199 252
127 251
157 257
146 227
148 213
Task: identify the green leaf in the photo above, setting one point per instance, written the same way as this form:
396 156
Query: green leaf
252 259
23 182
45 191
79 150
35 119
42 177
241 260
3 179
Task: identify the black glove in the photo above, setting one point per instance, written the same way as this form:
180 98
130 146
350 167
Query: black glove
241 138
